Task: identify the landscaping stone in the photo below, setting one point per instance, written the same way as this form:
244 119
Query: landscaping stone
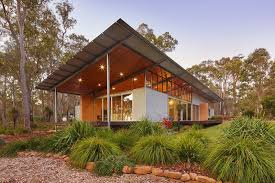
193 176
205 179
185 177
142 170
90 166
127 169
192 181
21 153
172 175
157 172
67 159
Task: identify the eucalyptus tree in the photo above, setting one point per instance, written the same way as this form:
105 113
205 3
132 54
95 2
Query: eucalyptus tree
39 33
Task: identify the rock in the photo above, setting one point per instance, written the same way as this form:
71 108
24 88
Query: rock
64 156
127 169
205 179
48 155
67 159
193 176
192 181
157 172
142 170
56 156
219 181
90 166
172 175
21 153
185 177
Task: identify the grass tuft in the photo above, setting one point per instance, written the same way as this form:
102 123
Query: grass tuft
92 149
154 150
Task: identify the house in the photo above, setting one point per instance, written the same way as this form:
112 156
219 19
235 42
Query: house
120 76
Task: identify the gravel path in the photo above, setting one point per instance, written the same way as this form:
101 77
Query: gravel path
37 169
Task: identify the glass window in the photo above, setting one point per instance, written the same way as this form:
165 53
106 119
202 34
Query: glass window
127 101
116 108
189 112
174 112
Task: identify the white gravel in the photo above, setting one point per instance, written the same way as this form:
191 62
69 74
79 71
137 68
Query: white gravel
38 169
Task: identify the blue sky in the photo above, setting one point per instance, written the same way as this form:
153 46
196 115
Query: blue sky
205 29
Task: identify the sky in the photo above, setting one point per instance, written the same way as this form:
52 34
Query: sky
205 29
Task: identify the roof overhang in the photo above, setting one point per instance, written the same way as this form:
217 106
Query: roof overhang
120 33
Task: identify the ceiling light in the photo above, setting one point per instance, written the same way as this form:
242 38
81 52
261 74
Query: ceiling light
79 80
102 67
98 84
135 79
121 74
113 88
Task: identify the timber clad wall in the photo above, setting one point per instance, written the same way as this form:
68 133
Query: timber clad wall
87 108
203 111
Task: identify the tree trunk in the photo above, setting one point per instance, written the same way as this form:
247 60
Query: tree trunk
22 67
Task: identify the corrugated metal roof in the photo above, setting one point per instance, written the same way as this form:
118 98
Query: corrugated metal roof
121 33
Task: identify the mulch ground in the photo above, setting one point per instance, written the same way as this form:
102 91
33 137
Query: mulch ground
40 169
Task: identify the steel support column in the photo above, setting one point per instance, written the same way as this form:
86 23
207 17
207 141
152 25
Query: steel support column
108 90
55 105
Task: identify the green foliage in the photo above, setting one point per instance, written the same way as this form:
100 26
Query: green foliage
124 138
104 132
146 127
242 160
92 149
244 152
251 128
165 42
190 149
65 139
112 164
197 127
155 149
36 144
268 104
12 131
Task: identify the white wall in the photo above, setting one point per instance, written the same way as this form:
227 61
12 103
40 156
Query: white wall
196 99
139 105
156 105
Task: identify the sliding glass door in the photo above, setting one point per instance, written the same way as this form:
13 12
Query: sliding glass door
121 107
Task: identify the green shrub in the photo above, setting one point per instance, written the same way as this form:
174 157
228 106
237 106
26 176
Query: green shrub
65 139
197 135
11 149
244 153
251 128
190 149
112 164
36 144
197 127
146 127
104 132
242 160
124 139
156 149
92 149
2 142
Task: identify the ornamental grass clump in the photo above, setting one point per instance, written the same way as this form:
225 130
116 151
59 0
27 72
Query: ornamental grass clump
190 148
155 150
64 140
146 127
124 139
112 164
244 153
92 149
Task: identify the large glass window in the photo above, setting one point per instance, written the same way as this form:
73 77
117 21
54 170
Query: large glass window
116 108
121 108
127 102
